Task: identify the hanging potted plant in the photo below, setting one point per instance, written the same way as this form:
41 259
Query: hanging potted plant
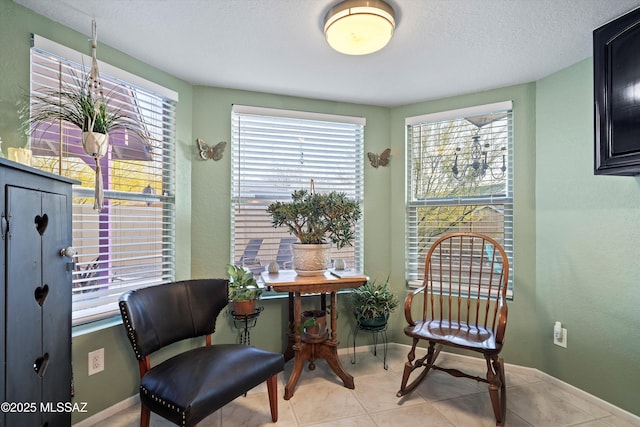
317 220
243 290
372 303
77 104
80 101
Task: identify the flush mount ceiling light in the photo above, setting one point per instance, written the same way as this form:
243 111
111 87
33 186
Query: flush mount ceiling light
359 27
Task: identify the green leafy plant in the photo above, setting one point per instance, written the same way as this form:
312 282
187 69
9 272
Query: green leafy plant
74 103
373 300
317 218
310 319
243 285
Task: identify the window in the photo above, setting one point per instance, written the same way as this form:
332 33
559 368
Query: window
130 243
276 152
459 178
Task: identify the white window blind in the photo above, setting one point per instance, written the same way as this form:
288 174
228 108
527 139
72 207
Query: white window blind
276 152
130 243
459 178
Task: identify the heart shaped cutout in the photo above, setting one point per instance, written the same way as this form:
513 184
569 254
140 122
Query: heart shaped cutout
40 294
40 364
41 223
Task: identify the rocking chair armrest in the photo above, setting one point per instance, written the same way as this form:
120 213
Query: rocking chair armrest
407 306
502 320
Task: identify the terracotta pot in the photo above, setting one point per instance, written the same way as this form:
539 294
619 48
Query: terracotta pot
311 259
244 307
321 322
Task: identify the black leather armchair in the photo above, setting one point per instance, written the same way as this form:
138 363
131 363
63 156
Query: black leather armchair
190 386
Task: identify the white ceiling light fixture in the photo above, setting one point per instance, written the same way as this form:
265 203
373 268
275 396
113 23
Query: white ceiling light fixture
359 27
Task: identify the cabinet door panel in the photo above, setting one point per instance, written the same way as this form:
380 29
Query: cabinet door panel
23 315
56 310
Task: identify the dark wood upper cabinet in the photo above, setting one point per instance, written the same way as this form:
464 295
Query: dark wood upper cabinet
616 72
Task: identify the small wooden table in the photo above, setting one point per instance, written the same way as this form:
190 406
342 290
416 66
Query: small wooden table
303 350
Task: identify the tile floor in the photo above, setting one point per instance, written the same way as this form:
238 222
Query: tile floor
320 400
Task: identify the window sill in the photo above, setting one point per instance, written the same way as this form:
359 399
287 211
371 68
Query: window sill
271 295
115 320
98 325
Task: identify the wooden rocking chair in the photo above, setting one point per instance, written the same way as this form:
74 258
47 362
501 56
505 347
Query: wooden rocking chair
464 289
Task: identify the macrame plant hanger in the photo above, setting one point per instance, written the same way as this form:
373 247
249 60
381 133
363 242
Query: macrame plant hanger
95 144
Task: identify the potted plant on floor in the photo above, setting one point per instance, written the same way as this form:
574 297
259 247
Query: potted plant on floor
317 220
243 290
372 303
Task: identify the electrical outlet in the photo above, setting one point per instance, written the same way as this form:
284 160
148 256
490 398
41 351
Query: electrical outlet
96 361
561 340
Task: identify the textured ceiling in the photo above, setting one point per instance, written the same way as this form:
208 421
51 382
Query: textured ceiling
440 48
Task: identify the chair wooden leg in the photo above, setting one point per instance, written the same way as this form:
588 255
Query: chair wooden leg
145 415
497 388
410 366
272 390
503 389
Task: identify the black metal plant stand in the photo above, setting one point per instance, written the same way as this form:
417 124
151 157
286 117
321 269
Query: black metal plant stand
244 323
375 330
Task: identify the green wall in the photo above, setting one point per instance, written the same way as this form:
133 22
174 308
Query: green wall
522 337
212 180
119 379
587 234
211 207
574 233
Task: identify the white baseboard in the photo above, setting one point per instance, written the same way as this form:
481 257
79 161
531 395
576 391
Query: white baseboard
596 401
106 413
614 410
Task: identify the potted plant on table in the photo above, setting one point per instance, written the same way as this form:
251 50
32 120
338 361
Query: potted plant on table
243 290
317 220
372 303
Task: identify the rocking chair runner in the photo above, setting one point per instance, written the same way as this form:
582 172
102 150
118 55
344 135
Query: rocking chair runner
464 306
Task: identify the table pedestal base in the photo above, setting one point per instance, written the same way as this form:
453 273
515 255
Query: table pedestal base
311 352
305 348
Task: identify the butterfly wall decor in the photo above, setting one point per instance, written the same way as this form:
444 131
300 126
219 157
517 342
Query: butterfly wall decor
381 159
215 152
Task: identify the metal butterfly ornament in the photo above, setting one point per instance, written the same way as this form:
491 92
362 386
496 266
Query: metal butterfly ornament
215 152
381 159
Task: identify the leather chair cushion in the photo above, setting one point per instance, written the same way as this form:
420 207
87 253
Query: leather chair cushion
189 386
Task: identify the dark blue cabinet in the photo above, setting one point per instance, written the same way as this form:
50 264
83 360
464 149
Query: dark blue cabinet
36 349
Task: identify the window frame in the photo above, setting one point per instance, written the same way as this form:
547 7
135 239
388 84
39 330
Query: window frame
286 123
95 298
414 256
